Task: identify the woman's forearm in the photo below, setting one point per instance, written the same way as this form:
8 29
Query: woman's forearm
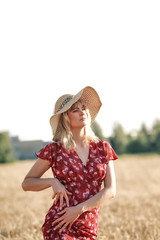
98 199
36 184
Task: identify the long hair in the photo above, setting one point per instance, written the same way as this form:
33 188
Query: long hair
66 136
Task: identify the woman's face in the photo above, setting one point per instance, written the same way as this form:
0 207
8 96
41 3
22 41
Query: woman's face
77 115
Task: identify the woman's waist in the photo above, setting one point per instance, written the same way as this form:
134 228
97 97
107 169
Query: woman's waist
83 191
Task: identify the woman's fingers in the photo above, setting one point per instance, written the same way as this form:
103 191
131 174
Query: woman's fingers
61 201
64 226
59 225
69 193
54 196
70 225
61 195
57 196
67 200
59 213
58 220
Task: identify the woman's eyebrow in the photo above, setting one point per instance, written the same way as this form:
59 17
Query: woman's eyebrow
75 107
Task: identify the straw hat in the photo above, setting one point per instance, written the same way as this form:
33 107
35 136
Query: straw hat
88 95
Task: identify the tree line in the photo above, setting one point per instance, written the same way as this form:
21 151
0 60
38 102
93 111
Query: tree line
143 140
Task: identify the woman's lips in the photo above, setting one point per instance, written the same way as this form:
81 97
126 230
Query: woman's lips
83 119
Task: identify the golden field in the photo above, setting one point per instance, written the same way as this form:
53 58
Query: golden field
134 214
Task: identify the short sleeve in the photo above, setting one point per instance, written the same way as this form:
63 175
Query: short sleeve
111 155
47 153
108 152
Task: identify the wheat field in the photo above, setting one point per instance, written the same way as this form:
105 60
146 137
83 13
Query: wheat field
134 214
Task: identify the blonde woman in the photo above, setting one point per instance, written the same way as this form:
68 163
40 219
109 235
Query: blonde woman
80 162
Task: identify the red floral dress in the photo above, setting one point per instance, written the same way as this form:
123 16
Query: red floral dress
84 181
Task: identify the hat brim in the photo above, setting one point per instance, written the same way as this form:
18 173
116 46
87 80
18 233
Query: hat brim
91 99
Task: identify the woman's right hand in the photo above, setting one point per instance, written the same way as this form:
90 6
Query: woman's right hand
60 192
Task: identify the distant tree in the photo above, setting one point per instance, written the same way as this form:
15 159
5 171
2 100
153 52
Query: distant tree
133 146
155 136
141 142
144 138
97 130
5 148
157 144
118 138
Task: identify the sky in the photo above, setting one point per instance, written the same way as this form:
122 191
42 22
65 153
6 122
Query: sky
50 48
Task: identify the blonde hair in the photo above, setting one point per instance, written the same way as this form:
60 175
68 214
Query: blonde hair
66 136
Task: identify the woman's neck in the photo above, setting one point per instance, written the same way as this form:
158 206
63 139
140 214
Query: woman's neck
79 137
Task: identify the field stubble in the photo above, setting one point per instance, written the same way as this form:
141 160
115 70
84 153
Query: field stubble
134 214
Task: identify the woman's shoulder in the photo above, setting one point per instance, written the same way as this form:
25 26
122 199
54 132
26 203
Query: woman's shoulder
101 143
52 146
101 146
105 148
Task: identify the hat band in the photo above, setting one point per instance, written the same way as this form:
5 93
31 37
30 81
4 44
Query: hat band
65 102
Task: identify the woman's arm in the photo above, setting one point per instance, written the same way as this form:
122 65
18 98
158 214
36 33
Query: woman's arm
108 192
33 182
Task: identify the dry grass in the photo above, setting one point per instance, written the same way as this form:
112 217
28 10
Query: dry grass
133 215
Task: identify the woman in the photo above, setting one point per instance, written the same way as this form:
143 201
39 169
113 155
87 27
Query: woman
80 162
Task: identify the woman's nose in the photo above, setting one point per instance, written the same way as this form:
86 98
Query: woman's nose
81 111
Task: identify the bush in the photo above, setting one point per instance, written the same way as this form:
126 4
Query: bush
5 148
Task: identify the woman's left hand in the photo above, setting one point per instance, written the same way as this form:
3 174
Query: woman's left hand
70 214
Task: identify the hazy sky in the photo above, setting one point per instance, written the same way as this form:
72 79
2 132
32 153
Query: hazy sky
50 48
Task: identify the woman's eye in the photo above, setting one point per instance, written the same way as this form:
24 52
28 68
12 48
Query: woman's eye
76 110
